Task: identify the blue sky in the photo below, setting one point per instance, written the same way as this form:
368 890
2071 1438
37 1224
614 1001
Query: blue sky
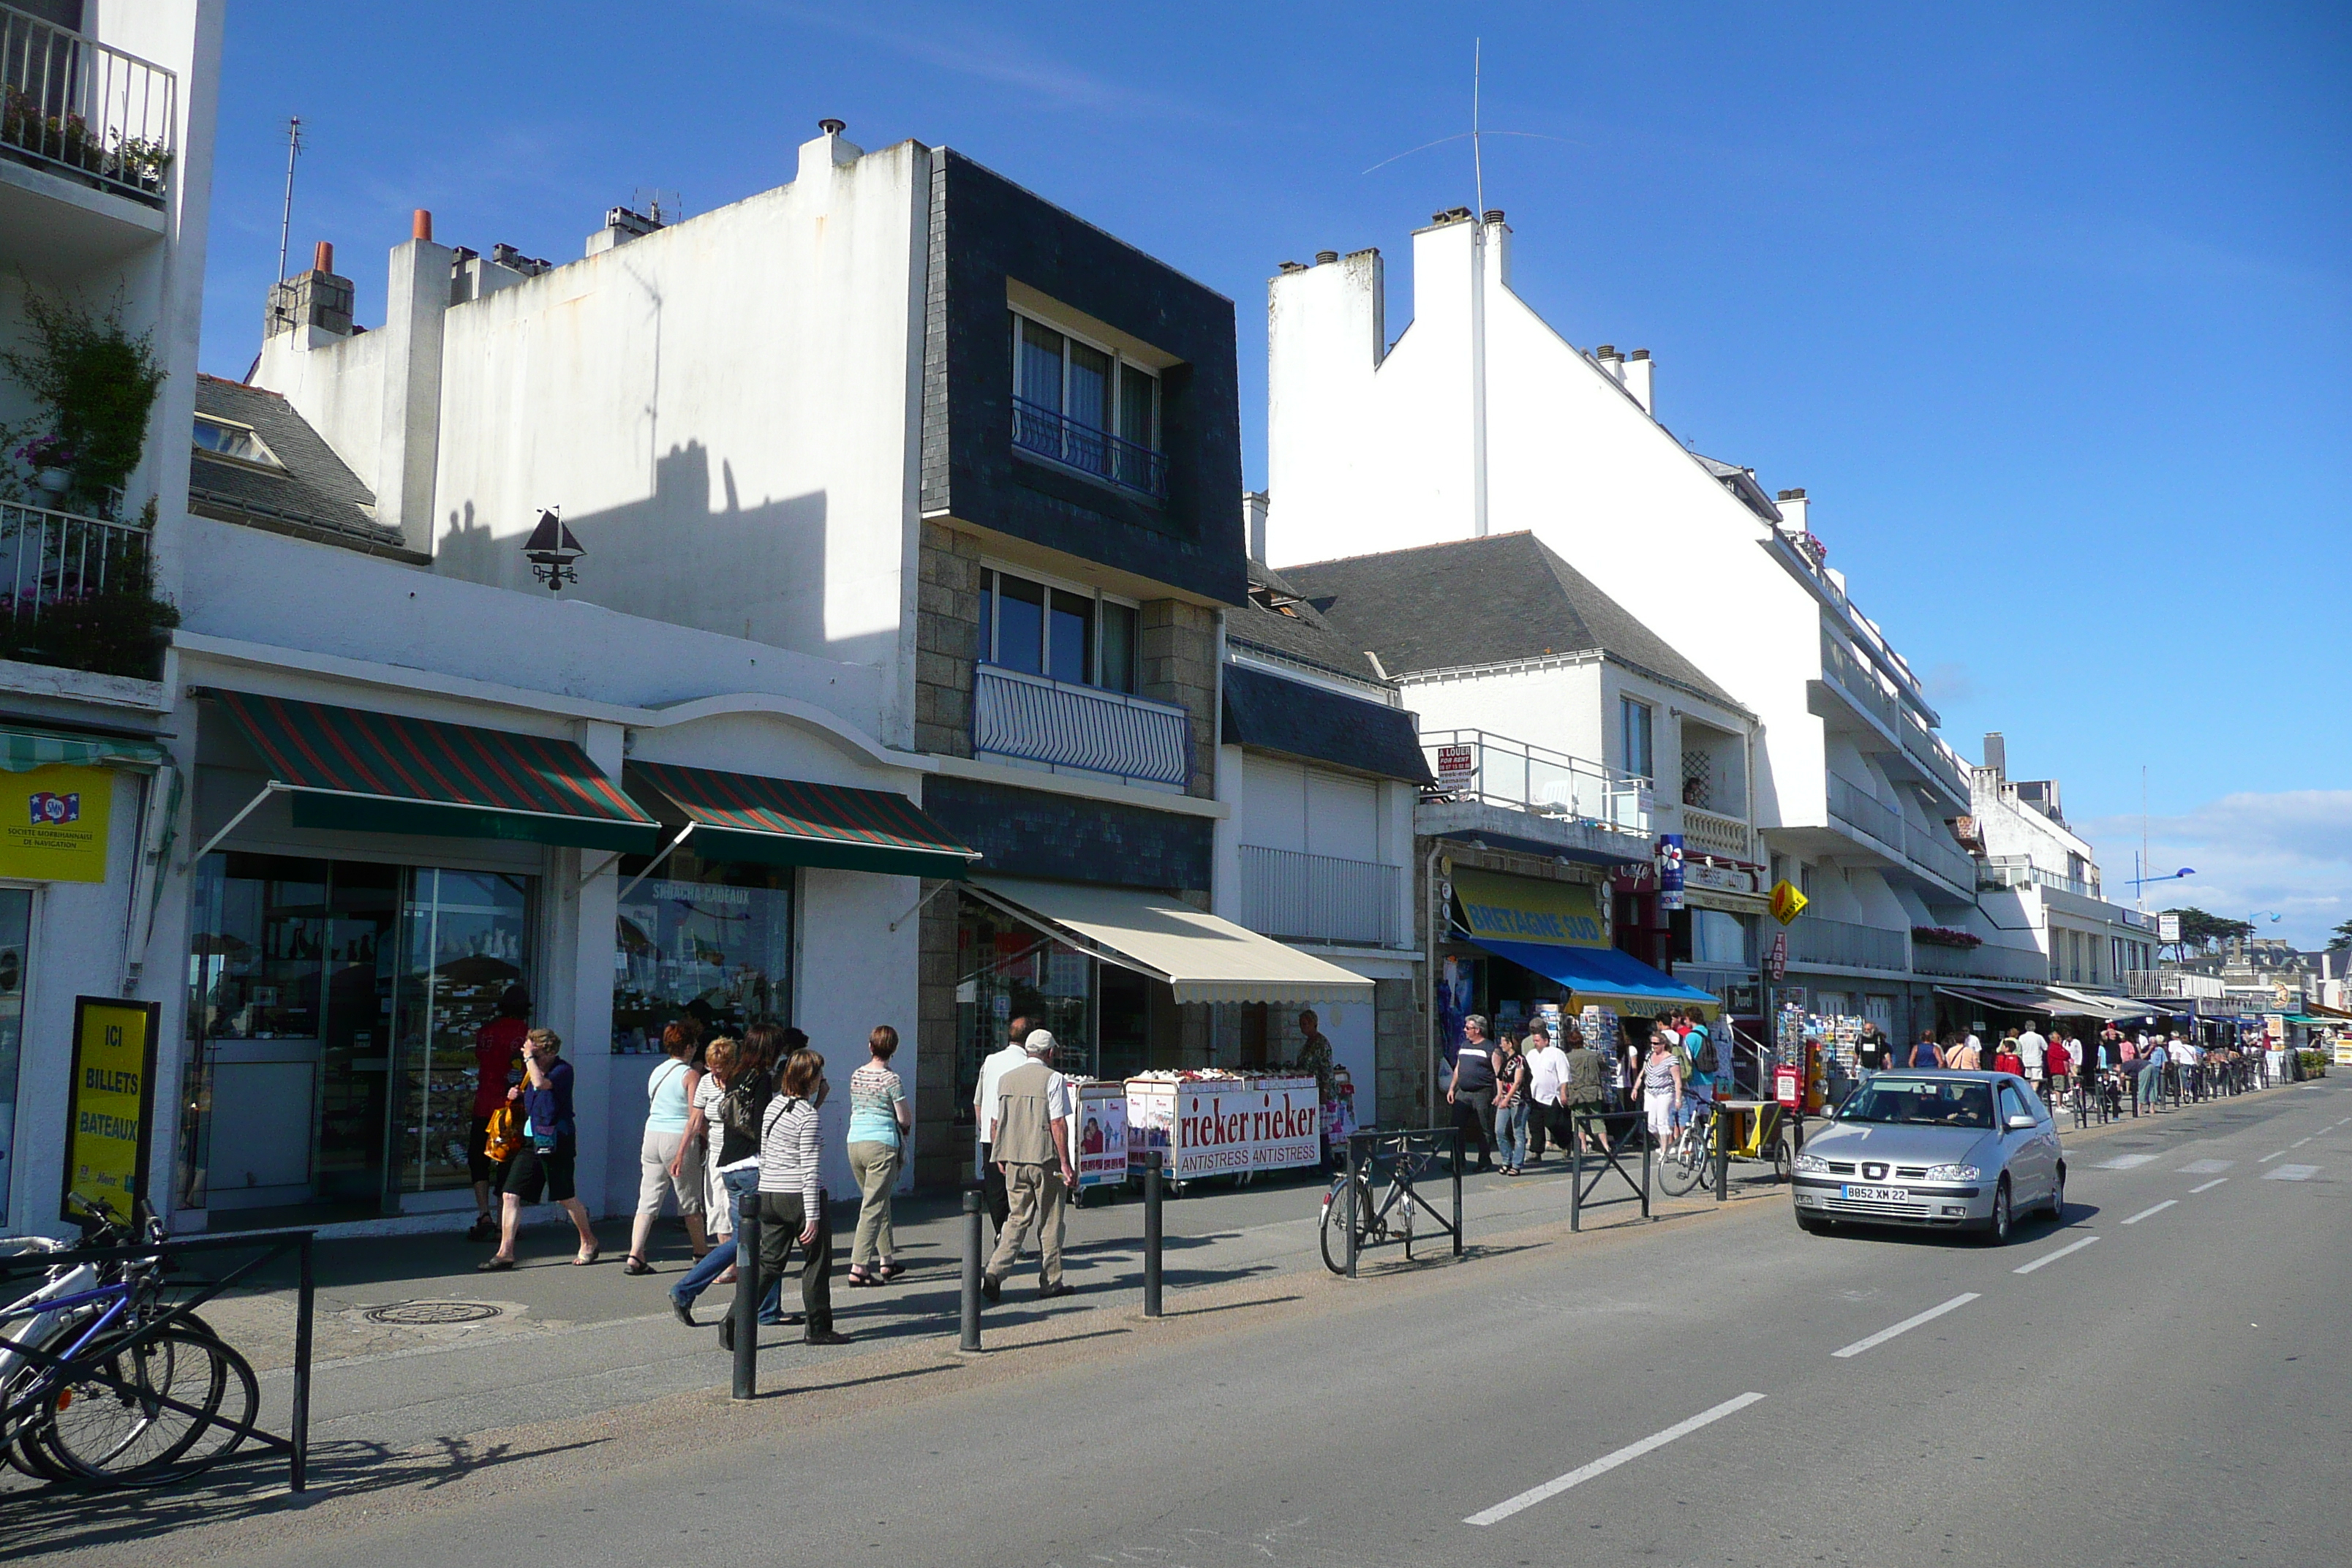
2046 306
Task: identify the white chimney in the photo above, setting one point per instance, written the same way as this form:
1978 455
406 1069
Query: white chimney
1253 510
1634 376
1792 505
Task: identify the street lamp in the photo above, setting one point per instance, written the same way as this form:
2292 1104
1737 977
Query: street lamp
2144 880
552 552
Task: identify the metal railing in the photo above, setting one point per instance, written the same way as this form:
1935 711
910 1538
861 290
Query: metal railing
1508 772
1812 939
1847 671
70 104
1932 849
2173 983
1710 833
55 558
1938 759
1025 716
1050 433
2016 871
1294 896
1985 962
1860 808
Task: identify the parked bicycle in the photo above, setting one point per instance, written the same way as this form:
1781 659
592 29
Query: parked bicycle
1383 1217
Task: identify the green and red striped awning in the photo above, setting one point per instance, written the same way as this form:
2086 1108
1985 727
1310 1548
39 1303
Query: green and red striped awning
356 771
787 821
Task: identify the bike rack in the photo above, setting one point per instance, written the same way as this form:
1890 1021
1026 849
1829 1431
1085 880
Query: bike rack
1403 1148
1619 1129
295 1445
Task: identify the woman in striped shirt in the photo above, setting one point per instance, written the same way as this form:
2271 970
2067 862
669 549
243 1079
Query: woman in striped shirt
792 1195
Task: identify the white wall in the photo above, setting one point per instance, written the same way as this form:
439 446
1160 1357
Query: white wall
1557 705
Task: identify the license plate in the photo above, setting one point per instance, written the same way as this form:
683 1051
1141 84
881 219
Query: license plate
1876 1195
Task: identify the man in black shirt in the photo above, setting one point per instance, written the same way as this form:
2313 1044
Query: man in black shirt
1471 1088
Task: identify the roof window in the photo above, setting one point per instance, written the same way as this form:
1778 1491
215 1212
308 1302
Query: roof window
239 443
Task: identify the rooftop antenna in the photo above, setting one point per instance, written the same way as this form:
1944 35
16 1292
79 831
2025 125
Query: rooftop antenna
286 215
1478 157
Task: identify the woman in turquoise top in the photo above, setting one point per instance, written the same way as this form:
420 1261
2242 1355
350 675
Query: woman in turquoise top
665 1165
879 1120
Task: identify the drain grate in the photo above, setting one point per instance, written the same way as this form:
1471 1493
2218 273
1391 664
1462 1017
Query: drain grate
431 1314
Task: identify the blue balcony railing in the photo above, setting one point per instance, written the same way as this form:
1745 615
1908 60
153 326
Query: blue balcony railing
1050 434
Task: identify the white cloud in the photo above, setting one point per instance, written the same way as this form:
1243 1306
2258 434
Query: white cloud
2290 852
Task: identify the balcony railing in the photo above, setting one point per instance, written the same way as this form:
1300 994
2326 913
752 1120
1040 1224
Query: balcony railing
1050 433
1054 722
2014 871
71 105
54 558
1812 939
1319 897
1707 833
1503 772
1861 809
1985 962
1932 849
2174 983
1848 673
1921 745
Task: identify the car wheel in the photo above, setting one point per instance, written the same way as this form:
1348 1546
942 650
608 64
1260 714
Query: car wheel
1812 1226
2058 1195
1996 1228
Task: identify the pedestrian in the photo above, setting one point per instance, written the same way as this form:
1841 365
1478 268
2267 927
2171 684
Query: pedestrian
880 1121
2057 1061
1470 1089
1871 1052
1583 1094
736 1092
1511 1104
1966 1057
666 1167
1662 1087
1314 1055
793 1201
550 1145
1012 1053
1546 1088
2007 1059
2151 1076
1031 1137
1926 1052
2033 1051
498 1064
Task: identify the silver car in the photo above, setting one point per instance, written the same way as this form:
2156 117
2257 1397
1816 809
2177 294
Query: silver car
1967 1150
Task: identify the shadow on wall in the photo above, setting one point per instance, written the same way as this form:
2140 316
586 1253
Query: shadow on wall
757 573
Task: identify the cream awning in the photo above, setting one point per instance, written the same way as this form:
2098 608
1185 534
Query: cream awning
1201 957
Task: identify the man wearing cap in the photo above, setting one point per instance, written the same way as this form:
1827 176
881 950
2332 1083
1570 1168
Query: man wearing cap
1029 1139
983 1106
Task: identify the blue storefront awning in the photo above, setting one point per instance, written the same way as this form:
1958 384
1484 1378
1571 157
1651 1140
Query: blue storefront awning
1604 975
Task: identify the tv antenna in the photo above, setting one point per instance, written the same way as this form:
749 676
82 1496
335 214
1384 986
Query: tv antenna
286 214
1478 133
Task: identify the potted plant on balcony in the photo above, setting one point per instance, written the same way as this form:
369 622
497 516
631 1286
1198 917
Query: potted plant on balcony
99 384
1946 936
52 464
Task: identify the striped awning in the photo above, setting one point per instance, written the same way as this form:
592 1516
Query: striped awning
788 822
23 750
356 771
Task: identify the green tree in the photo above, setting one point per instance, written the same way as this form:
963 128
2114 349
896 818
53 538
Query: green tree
2206 932
2343 937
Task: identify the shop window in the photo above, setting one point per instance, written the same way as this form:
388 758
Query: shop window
1006 969
16 949
709 940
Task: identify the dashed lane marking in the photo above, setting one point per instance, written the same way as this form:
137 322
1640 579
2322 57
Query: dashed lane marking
2157 1209
2205 1167
1907 1325
1608 1462
2274 1154
2125 1162
2291 1173
2208 1186
2301 1142
2055 1257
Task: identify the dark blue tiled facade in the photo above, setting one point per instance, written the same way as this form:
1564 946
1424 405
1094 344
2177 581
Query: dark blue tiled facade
1064 838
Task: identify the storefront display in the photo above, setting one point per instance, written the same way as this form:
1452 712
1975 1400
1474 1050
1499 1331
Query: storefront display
711 940
1007 970
1099 1131
1222 1123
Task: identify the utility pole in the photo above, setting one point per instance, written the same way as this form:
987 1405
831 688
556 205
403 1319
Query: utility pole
286 215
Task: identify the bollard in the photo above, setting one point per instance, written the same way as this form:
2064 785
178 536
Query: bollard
1354 1166
1457 1192
305 1301
747 1301
970 1340
1722 1155
1576 1172
1151 1158
1645 1171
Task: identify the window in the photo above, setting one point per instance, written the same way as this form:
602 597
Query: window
712 939
1637 721
1065 632
1085 406
224 438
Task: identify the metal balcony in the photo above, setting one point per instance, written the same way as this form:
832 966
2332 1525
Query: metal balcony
1499 771
1064 725
75 107
1986 962
1932 849
1296 897
1049 433
1812 939
1862 810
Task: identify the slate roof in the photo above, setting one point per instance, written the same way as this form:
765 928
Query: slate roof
1298 632
1268 713
1474 602
314 495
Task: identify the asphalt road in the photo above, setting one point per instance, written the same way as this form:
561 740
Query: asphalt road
2158 1380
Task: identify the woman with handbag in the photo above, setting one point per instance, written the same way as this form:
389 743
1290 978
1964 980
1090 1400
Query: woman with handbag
543 1164
665 1165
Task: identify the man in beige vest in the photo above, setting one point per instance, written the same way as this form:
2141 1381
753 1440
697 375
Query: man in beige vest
1028 1139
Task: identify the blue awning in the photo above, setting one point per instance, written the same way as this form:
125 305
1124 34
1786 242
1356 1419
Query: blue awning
1604 975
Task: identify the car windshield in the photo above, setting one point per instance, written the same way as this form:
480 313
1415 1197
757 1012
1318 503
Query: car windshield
1921 1103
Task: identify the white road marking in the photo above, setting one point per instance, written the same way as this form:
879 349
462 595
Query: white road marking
2125 1162
1907 1325
2291 1173
2157 1209
1607 1462
2301 1142
2208 1186
2205 1167
2055 1257
2274 1155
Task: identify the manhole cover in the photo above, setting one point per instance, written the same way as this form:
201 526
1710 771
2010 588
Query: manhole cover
432 1314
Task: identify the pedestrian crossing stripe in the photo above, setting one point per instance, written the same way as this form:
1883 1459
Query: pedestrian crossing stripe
2290 1172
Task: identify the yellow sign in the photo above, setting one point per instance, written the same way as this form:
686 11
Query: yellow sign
53 823
110 1104
1520 908
1787 904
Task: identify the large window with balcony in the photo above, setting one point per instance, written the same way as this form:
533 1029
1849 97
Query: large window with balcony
1086 406
1076 635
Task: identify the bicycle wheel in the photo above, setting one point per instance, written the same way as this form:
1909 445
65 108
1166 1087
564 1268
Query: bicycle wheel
1335 1222
1682 1165
239 1406
163 1395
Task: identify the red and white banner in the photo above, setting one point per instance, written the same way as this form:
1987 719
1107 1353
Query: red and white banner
1216 1127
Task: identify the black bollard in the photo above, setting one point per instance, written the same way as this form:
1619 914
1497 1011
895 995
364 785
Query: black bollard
747 1301
1576 1171
1722 1155
1151 1158
970 1340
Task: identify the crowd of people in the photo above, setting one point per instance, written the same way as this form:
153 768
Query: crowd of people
2151 1067
1513 1096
